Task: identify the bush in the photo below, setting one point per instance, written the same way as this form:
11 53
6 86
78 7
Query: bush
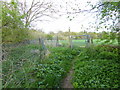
107 55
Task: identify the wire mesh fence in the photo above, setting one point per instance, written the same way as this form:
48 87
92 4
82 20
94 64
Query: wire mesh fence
77 41
45 43
20 58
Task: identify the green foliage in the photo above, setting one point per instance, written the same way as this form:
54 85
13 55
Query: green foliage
18 66
108 37
109 12
11 16
93 67
54 68
12 26
49 37
107 55
33 34
75 85
96 74
96 68
10 35
26 70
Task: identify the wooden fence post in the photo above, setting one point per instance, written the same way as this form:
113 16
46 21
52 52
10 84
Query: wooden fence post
91 40
40 41
70 39
71 45
57 41
88 41
44 49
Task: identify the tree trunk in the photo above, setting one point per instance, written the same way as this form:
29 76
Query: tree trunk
118 39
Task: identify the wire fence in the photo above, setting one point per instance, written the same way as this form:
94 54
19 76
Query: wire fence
20 58
45 43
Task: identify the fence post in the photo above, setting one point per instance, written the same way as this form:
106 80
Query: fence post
57 41
91 40
70 39
40 41
44 49
71 45
88 41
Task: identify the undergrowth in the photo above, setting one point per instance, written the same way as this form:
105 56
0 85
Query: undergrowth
96 68
93 67
23 69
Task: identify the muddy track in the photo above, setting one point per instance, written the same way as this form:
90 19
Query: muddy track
67 80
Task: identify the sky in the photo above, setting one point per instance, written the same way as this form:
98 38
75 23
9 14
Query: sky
63 23
80 22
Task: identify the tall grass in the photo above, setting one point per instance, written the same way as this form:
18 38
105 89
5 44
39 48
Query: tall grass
23 69
18 66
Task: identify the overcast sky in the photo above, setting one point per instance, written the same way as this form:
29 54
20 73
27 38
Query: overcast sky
80 22
63 23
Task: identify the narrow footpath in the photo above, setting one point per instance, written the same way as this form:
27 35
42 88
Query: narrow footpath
67 81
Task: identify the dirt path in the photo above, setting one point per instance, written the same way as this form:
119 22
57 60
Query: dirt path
67 81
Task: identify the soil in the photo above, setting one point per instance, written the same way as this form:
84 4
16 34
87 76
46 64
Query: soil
67 81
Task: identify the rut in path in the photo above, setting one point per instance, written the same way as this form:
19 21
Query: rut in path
67 81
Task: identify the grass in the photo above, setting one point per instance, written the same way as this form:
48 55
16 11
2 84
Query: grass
55 67
23 69
93 67
18 65
81 43
74 42
112 42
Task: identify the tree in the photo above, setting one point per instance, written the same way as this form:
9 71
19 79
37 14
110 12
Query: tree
17 17
110 11
49 37
11 16
37 11
12 25
106 12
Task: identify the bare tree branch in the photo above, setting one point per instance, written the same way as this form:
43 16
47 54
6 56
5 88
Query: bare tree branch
36 10
89 11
